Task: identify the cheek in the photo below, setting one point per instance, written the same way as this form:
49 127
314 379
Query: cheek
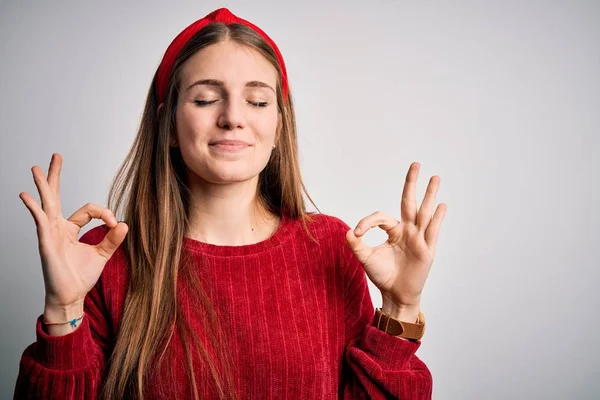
267 128
191 125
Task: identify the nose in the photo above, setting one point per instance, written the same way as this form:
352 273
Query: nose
233 115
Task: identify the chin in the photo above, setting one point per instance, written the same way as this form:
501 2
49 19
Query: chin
223 176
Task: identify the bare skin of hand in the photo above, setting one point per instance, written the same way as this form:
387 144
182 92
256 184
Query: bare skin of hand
70 268
399 267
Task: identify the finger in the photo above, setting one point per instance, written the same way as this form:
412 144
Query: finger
90 211
378 218
46 196
426 210
34 208
408 208
54 178
112 240
433 230
358 247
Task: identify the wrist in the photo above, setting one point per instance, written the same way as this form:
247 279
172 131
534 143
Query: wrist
401 312
56 313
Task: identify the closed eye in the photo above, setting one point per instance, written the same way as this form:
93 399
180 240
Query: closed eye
258 104
204 102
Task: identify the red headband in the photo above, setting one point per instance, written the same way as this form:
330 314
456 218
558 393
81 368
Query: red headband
220 15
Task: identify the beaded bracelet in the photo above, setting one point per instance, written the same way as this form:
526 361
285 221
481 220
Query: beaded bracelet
72 322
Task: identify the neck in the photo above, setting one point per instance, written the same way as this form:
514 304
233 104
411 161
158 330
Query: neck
228 214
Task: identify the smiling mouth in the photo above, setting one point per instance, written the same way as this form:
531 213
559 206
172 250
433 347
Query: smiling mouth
230 147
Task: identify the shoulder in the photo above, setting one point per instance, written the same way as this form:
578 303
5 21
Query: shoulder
327 225
329 222
333 230
330 232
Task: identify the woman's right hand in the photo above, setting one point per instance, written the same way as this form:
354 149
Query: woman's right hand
70 268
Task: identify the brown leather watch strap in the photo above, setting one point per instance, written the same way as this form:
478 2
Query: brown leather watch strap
407 330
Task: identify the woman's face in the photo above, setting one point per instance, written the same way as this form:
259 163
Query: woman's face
227 92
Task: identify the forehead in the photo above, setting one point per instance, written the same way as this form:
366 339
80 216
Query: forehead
229 62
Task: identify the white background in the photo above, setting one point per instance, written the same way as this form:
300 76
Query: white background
499 98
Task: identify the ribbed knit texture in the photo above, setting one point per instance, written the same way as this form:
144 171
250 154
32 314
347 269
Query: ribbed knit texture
299 314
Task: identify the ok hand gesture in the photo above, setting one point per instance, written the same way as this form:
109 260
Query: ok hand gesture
400 266
70 268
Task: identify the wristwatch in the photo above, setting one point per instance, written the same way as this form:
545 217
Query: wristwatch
411 331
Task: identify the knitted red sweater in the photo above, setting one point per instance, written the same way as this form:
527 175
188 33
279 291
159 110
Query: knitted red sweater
299 314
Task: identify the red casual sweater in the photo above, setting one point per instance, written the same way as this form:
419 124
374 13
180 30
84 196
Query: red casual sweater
300 314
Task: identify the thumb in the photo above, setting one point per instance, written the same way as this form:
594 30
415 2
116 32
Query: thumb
113 240
360 250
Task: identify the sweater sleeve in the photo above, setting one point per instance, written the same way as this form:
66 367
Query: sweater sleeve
69 366
376 364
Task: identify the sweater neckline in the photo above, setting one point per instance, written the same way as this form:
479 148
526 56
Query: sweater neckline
274 240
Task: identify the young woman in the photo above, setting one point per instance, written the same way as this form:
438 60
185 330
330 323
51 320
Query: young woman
219 284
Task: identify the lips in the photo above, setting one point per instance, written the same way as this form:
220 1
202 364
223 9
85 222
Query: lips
229 146
230 143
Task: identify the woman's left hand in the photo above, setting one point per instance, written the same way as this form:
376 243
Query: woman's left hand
400 266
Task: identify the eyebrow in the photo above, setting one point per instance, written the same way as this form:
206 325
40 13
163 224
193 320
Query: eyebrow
215 82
